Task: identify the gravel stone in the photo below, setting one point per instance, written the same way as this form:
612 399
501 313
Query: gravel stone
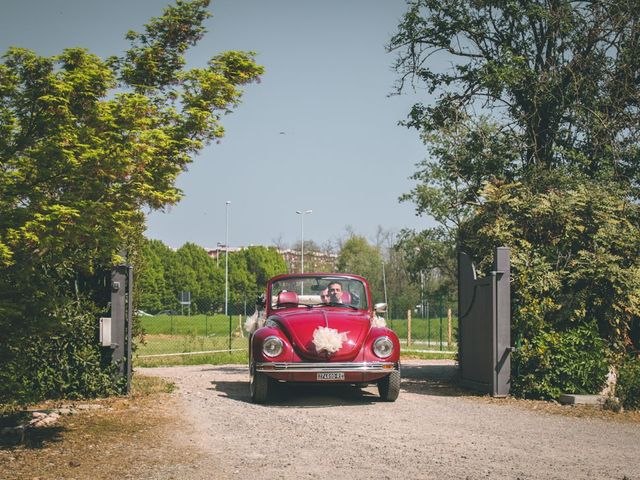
431 431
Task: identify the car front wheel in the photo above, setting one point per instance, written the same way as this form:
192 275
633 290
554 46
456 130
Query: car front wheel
259 385
389 386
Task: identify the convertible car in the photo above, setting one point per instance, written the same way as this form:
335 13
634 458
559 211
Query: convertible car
321 328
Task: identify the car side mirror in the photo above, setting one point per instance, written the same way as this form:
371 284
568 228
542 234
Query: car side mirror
380 308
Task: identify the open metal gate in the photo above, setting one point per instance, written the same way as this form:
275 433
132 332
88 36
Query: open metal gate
484 306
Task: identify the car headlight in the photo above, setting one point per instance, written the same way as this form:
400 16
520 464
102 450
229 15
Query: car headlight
383 347
272 346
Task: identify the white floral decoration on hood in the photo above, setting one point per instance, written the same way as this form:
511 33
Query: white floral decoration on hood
328 339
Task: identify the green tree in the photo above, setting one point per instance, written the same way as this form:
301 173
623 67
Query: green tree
172 272
167 273
199 275
359 257
85 145
462 157
263 263
242 281
574 254
560 77
402 288
532 143
151 279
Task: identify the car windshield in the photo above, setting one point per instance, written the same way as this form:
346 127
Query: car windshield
319 291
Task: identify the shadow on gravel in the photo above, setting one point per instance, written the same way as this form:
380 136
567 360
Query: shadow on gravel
440 380
26 437
301 395
318 396
234 390
227 369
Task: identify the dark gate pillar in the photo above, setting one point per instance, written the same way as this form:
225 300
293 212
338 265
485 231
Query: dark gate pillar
502 323
121 319
484 307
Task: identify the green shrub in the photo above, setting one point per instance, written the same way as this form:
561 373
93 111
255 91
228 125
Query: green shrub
552 363
65 362
628 383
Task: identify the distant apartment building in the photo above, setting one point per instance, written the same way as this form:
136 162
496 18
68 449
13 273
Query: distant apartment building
313 261
217 252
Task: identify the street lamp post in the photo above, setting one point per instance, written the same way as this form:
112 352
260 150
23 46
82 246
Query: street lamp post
422 293
302 213
384 283
226 260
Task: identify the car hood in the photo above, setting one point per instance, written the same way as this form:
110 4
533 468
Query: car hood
299 327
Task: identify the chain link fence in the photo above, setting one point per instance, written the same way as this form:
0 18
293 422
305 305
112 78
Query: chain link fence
430 326
193 331
190 330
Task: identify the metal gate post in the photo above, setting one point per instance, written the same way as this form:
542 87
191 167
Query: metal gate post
129 326
502 325
484 325
121 320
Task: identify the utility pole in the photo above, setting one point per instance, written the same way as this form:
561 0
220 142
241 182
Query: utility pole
226 260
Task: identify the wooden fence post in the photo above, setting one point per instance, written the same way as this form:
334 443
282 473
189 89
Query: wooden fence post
449 328
408 328
241 335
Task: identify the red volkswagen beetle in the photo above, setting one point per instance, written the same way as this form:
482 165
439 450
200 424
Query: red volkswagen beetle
321 328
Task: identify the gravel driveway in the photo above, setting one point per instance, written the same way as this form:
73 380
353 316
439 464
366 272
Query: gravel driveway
431 431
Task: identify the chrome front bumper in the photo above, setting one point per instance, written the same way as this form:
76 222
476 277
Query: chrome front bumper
313 367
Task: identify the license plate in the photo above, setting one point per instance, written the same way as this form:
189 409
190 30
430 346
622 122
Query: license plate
331 376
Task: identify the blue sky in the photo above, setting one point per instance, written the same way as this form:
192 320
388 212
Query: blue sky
328 78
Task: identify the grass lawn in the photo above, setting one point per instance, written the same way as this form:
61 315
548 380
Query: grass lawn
223 358
179 338
242 357
164 344
204 325
432 329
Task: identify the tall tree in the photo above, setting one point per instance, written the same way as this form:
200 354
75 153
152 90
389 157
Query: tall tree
86 144
559 76
150 281
533 143
200 276
401 286
264 263
359 257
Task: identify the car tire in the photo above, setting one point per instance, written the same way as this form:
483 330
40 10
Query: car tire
389 386
260 385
